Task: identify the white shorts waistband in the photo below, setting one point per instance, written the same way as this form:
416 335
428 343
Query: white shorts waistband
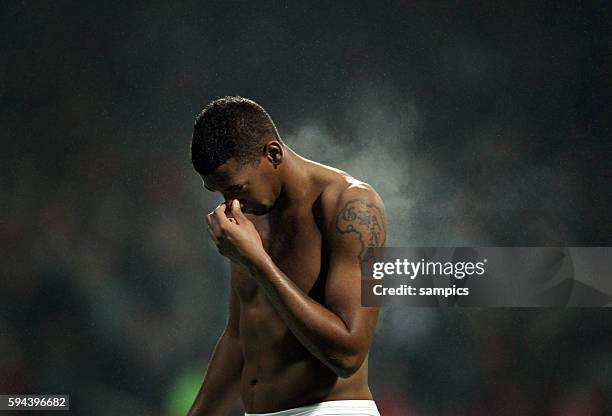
329 408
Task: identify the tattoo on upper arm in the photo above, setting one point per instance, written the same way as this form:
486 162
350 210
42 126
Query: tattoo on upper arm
364 219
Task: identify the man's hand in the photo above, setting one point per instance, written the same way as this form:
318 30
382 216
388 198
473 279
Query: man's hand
236 237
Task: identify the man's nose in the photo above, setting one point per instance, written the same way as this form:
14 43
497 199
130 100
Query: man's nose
230 196
228 202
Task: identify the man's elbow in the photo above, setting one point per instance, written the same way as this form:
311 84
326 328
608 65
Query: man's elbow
346 366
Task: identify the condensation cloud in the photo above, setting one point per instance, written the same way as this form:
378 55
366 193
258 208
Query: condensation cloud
478 190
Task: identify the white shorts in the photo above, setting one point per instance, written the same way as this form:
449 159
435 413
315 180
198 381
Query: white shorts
330 408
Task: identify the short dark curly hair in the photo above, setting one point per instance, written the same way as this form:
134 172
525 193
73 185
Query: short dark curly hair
230 127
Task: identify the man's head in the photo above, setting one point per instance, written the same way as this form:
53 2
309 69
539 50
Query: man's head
236 150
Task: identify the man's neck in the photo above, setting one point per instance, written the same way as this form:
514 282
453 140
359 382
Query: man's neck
295 178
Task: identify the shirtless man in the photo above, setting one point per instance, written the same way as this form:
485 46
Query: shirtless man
297 338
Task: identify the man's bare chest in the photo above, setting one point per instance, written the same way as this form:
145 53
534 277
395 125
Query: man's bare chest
294 243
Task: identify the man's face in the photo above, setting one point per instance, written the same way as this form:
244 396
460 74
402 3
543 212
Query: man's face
255 186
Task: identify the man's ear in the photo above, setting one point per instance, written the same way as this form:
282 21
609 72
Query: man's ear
273 151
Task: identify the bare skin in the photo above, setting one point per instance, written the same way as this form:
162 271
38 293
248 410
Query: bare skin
296 332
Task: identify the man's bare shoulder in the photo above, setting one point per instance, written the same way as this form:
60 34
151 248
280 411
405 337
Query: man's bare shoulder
342 192
353 190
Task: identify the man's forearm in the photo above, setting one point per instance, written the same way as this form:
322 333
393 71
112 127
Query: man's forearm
221 385
319 329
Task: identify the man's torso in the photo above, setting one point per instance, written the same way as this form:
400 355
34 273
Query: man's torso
279 372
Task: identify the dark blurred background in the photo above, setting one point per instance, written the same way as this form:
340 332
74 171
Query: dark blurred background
479 123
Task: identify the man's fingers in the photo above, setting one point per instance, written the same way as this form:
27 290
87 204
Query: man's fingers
213 224
219 215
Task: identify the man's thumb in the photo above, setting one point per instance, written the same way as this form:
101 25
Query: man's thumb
236 211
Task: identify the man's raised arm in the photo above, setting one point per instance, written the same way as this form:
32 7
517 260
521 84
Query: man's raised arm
340 333
221 386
